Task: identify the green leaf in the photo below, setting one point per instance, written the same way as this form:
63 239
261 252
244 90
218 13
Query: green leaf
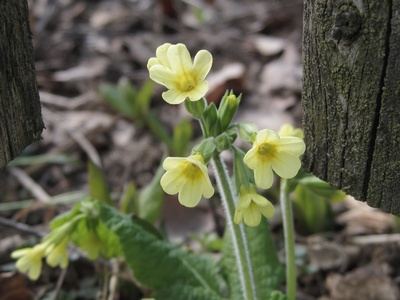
181 137
43 159
321 188
119 100
98 187
144 97
159 130
268 272
151 198
129 199
168 270
311 210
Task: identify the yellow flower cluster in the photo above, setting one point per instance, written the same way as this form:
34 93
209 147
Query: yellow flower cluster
173 68
30 259
271 152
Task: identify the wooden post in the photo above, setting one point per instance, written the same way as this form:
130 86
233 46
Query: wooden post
20 116
351 97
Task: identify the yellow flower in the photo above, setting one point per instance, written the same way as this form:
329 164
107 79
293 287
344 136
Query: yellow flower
57 254
30 260
289 130
250 207
188 177
270 152
173 68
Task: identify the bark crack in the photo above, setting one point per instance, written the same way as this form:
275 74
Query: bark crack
376 121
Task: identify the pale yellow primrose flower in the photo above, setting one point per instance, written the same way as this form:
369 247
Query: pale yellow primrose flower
272 152
251 206
173 68
289 130
30 260
57 254
187 176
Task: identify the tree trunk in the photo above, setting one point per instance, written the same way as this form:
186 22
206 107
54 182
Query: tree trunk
20 116
351 97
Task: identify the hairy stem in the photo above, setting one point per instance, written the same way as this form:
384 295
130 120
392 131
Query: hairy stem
288 228
237 232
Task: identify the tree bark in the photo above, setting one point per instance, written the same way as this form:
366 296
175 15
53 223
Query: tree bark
351 97
20 115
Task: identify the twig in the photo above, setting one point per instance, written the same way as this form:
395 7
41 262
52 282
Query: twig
36 190
377 239
59 283
65 102
79 138
20 227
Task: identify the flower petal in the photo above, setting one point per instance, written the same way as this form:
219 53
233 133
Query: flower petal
161 54
264 176
34 270
173 162
198 92
172 182
174 96
286 165
244 201
163 75
250 158
202 64
259 200
179 59
266 135
293 145
252 216
190 194
207 188
238 218
268 211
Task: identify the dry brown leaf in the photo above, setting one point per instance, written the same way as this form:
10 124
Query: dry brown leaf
370 282
363 219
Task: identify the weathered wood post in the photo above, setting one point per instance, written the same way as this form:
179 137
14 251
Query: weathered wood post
20 117
351 97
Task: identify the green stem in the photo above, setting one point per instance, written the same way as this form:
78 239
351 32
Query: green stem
288 228
237 232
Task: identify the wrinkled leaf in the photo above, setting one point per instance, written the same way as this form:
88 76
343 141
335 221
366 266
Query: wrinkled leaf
268 272
171 272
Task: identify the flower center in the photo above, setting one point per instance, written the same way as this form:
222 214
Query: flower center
186 82
192 171
266 151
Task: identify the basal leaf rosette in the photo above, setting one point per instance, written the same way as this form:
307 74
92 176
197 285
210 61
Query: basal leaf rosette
187 176
173 68
273 153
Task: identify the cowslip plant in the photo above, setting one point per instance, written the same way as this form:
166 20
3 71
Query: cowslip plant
187 176
249 266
